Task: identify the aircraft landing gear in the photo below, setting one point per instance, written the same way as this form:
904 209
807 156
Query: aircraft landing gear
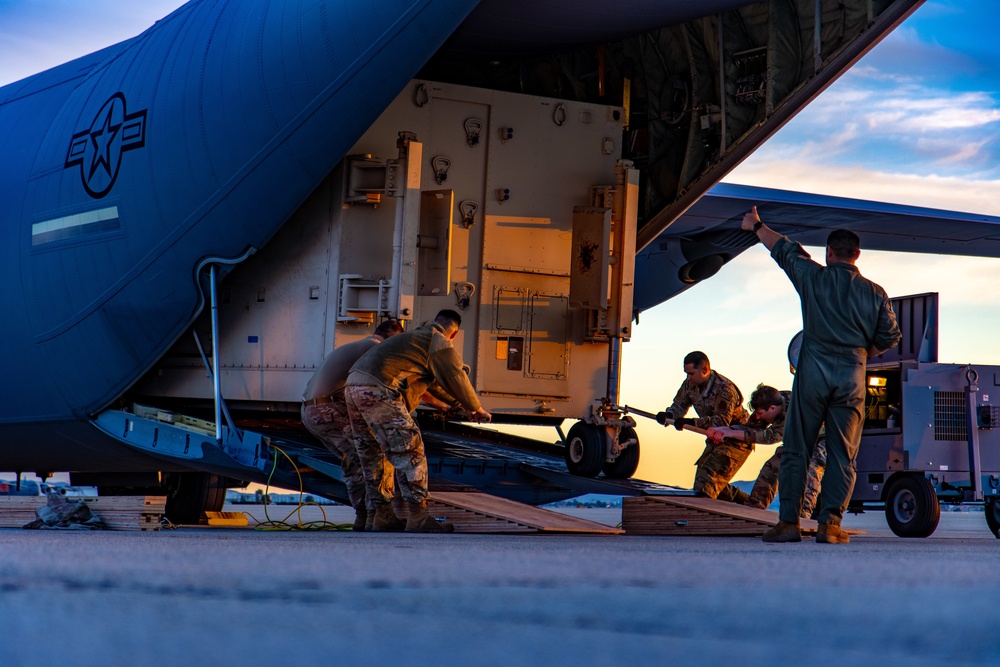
188 493
191 493
586 452
584 449
625 465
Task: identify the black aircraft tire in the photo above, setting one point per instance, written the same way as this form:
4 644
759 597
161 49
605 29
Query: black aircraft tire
584 450
992 511
191 493
911 507
625 465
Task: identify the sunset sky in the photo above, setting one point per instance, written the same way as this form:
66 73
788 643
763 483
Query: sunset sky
915 122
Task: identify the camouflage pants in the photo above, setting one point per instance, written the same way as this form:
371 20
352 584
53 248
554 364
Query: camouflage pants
718 464
331 426
387 437
766 486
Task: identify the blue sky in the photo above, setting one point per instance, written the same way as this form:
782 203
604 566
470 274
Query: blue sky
917 121
38 34
920 109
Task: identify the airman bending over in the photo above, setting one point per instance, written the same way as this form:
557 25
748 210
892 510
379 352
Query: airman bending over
766 426
324 412
718 402
383 388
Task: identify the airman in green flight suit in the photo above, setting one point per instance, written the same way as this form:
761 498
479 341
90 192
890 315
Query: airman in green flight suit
846 319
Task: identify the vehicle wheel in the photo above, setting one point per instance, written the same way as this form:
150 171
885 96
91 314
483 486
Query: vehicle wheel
992 509
911 507
628 460
585 449
191 493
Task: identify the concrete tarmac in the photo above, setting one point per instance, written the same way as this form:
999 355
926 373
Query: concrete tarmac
212 596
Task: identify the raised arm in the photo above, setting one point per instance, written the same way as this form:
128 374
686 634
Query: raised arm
752 223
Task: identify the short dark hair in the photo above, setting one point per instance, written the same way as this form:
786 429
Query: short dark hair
764 397
388 328
448 316
844 244
697 358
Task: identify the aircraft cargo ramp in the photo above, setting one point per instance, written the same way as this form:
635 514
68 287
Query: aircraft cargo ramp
460 459
527 471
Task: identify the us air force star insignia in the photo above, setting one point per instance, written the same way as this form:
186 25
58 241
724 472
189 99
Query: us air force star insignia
99 150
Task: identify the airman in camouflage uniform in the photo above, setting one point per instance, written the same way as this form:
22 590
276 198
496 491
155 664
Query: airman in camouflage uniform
766 486
383 388
766 426
718 402
324 412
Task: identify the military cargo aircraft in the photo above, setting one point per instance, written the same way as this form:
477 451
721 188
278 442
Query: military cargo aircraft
193 217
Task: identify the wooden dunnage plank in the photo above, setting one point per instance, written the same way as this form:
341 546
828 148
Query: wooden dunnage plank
689 515
483 513
117 512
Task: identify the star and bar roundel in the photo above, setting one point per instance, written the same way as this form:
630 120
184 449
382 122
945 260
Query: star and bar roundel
98 149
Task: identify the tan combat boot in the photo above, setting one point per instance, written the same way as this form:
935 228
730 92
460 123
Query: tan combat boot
422 522
361 519
386 520
783 532
400 506
831 534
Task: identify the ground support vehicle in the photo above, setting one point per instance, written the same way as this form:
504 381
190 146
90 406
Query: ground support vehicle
932 430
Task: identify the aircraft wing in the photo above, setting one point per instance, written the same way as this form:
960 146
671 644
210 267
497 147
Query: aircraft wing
708 234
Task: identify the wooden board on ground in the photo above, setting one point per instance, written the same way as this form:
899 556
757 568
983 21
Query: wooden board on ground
690 515
483 513
117 512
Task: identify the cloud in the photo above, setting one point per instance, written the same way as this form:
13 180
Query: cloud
944 151
893 128
947 192
831 144
903 109
905 54
912 109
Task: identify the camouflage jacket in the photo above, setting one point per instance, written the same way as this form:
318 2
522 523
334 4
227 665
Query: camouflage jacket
720 403
411 362
760 432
